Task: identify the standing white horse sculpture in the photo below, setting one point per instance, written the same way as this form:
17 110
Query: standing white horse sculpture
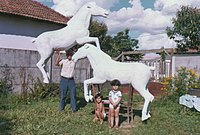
106 69
76 32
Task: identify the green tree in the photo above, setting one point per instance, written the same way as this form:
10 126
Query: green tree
123 42
113 46
186 29
99 29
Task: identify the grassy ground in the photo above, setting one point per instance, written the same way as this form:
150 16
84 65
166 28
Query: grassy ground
42 117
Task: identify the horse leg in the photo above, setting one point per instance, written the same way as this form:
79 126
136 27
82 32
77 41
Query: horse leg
146 108
88 94
148 97
88 40
45 55
151 99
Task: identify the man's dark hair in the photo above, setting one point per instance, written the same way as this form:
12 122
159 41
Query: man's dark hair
115 83
69 53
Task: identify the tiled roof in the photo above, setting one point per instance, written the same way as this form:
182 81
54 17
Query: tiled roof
33 9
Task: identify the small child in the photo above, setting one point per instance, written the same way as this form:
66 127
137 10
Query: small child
115 97
99 109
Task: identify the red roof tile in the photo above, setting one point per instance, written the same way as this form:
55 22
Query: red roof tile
33 9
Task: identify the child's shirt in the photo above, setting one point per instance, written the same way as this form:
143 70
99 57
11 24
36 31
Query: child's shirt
115 95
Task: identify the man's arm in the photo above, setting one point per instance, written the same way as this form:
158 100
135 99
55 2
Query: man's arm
58 59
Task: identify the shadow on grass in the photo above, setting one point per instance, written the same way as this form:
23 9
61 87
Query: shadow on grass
80 102
124 115
137 113
5 126
122 119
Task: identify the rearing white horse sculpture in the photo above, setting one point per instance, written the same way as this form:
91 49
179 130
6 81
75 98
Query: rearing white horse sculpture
76 32
106 69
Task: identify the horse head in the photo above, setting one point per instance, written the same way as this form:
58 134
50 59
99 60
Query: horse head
96 10
82 52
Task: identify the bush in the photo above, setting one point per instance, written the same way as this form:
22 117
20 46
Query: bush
6 80
184 80
41 90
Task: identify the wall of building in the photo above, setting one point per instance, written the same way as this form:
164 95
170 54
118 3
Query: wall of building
25 26
19 67
186 60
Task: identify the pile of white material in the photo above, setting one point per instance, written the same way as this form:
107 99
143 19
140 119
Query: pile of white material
190 101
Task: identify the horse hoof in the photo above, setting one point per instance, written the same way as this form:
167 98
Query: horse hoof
45 81
148 115
91 98
145 117
87 98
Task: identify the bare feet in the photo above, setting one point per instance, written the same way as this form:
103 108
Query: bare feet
95 120
116 127
110 126
101 121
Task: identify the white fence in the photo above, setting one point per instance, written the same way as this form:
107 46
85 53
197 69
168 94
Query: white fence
162 68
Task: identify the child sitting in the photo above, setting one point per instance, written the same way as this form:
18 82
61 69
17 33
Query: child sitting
115 97
99 109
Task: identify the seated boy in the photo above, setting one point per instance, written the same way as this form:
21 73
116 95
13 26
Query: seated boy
99 109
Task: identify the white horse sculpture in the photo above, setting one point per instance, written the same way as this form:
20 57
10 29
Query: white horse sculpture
106 69
76 32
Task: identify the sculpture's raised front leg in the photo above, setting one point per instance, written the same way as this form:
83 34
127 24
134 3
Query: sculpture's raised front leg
88 94
89 40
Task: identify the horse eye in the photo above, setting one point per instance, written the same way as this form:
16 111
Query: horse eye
87 47
88 7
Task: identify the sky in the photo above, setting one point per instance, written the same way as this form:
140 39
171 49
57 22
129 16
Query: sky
146 19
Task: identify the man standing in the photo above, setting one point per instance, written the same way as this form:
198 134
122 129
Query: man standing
67 80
